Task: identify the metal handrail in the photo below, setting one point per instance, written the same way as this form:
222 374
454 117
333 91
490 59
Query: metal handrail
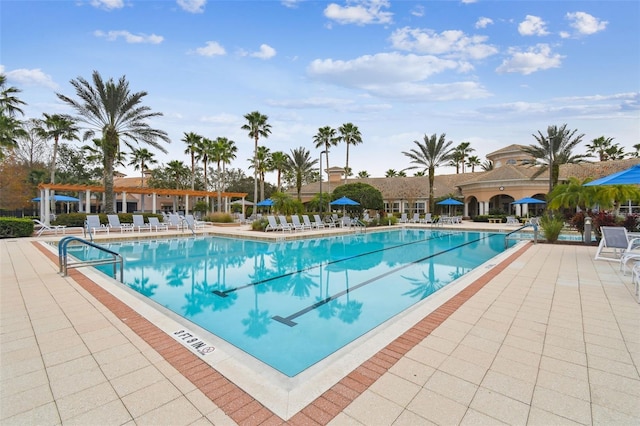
526 225
63 257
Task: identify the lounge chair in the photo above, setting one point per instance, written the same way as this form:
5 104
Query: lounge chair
272 225
297 225
616 241
306 222
426 218
317 221
403 218
114 223
345 222
415 218
92 224
138 222
192 223
43 227
284 225
154 223
511 220
175 221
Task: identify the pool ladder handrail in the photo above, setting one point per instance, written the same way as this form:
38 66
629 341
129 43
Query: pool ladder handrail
526 225
63 257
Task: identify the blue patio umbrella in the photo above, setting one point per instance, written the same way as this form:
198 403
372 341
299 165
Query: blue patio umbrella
265 203
528 200
344 201
450 202
59 198
629 176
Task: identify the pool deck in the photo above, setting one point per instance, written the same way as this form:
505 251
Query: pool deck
548 336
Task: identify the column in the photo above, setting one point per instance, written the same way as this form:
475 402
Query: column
124 202
153 203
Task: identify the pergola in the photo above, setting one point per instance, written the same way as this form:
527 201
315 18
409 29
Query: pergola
46 197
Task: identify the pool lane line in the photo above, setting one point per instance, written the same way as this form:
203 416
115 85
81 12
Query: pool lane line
289 320
242 287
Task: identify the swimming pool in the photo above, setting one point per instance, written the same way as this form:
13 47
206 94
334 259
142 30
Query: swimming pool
290 304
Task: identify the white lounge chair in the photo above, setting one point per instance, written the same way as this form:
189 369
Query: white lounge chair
175 221
114 223
511 220
403 218
615 242
426 218
284 225
306 222
317 221
155 223
192 223
415 218
41 227
345 222
272 225
296 224
92 224
138 222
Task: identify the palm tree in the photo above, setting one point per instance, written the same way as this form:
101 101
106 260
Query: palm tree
192 140
463 150
573 194
262 162
257 127
140 158
301 165
363 174
473 161
600 146
637 152
390 173
279 163
202 153
10 127
553 149
434 152
228 153
57 126
118 115
487 165
222 151
349 134
325 139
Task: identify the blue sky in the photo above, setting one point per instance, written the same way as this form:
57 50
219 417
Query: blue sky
488 72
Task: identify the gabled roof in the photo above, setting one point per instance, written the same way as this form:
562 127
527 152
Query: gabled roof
507 149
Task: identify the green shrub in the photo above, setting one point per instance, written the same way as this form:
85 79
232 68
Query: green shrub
551 227
219 218
11 227
259 225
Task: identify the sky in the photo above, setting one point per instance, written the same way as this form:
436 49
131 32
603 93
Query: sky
492 73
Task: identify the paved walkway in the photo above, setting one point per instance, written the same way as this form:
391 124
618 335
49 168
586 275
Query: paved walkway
551 337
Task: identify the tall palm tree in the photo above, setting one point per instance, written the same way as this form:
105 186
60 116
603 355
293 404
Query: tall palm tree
263 158
10 127
464 149
140 159
202 153
473 162
229 150
56 127
222 151
177 171
434 152
325 139
109 108
192 140
350 135
257 127
279 162
301 164
553 149
487 165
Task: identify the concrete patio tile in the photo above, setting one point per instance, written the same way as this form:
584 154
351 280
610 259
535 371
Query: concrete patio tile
14 345
439 344
371 408
518 370
564 368
473 355
201 402
77 382
427 356
46 414
574 357
476 418
139 403
613 381
520 355
607 416
615 400
574 409
538 417
17 403
79 403
341 419
606 341
437 408
69 368
409 418
411 370
509 386
115 353
463 370
176 413
111 413
564 384
484 345
24 382
611 366
64 355
614 354
124 365
18 368
452 387
499 406
136 380
395 388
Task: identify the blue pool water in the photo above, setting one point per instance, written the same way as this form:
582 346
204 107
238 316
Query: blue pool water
292 303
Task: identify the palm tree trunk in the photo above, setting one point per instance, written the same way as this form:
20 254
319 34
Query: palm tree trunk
255 171
431 179
53 160
219 189
346 168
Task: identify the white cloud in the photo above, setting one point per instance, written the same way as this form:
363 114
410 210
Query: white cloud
360 12
33 77
212 48
453 43
564 34
129 37
416 92
192 6
418 11
586 24
482 22
469 1
291 4
108 4
532 25
382 68
223 119
265 52
536 58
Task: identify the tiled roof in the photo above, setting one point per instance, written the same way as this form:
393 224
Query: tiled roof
511 148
